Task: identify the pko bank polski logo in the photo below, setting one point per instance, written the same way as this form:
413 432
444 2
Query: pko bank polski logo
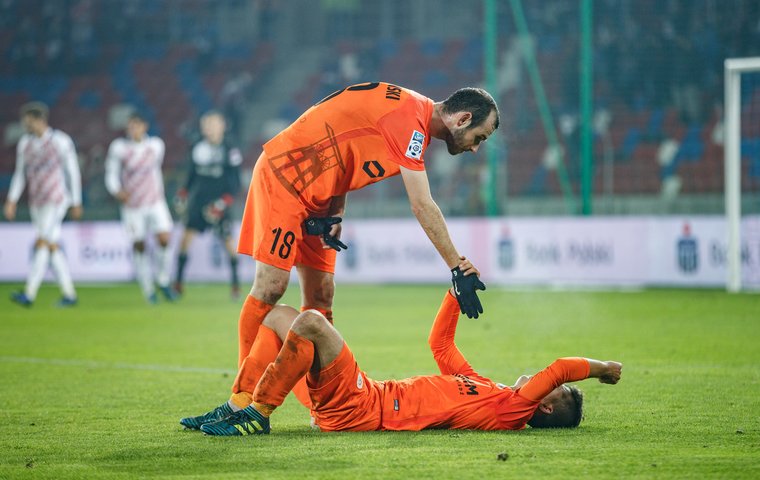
687 251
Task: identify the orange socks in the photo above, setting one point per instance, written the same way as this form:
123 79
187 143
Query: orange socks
259 346
293 362
263 352
251 316
301 391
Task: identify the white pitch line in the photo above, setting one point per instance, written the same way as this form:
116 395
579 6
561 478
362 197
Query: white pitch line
114 365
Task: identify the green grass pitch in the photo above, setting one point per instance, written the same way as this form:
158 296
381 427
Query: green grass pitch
96 391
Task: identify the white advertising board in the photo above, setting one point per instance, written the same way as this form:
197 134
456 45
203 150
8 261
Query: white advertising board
678 251
100 251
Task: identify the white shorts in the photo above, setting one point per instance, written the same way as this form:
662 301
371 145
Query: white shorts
138 222
47 220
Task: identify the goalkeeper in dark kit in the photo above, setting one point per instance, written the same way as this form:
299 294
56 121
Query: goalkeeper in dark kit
206 199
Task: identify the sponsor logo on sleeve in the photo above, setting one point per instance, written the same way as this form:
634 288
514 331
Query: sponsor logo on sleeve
414 149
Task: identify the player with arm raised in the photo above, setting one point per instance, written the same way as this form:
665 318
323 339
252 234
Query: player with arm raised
345 399
134 178
46 161
207 197
354 137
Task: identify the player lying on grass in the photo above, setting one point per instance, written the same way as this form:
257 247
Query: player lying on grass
345 399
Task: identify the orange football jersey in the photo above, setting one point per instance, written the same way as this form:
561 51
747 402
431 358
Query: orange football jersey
356 136
462 399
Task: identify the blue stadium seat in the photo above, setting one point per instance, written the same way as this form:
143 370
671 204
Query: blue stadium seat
537 184
194 89
431 47
654 126
89 100
46 89
751 153
387 48
631 141
435 78
692 147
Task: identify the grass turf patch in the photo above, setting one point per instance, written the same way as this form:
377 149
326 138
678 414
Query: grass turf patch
96 391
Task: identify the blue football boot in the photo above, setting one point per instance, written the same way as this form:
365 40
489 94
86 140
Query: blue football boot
220 412
21 299
66 302
247 421
169 294
152 299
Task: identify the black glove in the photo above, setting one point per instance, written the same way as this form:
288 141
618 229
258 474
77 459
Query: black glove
464 288
180 202
214 211
321 226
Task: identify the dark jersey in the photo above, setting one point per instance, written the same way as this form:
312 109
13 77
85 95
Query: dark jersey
214 172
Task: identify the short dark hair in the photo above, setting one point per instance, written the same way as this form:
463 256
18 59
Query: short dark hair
567 414
138 116
213 113
474 100
35 110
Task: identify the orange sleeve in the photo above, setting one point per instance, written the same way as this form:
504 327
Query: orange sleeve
441 340
405 133
569 369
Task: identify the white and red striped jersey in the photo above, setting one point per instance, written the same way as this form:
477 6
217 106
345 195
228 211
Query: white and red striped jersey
49 165
135 167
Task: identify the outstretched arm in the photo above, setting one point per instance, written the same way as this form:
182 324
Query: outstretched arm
569 369
431 219
441 340
607 372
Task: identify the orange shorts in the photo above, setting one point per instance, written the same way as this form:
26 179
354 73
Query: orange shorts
343 398
271 230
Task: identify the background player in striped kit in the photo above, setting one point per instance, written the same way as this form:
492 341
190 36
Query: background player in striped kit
47 160
133 176
212 184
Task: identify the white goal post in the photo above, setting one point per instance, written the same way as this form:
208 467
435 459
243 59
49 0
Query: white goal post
734 67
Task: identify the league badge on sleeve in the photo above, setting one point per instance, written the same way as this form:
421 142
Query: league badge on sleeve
414 150
236 158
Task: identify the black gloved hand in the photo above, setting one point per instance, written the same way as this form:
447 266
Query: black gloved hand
464 289
321 226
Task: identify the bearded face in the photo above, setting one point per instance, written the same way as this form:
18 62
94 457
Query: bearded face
466 138
456 142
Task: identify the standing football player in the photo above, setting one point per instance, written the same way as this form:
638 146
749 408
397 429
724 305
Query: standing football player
205 201
133 176
46 159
